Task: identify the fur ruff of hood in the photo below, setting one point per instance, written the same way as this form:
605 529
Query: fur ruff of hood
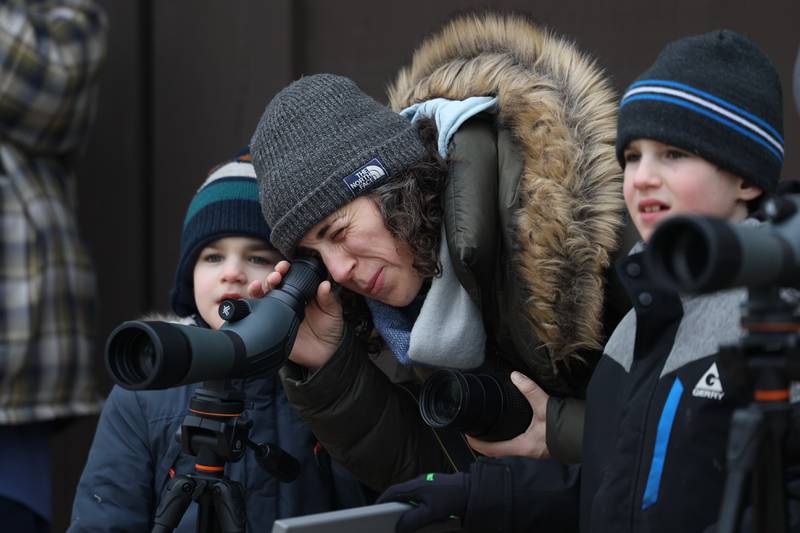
561 110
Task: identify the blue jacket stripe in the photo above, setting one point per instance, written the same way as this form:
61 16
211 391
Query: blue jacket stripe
662 440
707 113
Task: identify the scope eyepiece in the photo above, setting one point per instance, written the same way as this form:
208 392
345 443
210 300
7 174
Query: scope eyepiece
698 254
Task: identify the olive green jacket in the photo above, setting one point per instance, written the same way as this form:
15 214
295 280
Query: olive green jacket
533 211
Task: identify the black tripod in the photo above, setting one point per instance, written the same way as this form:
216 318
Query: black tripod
215 433
764 362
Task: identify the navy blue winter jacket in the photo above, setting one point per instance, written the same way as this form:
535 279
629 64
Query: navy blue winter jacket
135 451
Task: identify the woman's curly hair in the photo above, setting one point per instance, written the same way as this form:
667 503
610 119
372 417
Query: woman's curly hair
411 205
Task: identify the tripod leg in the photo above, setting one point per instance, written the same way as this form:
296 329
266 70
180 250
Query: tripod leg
745 437
176 500
229 504
769 495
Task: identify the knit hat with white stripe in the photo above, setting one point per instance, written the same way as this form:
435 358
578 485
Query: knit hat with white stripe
716 95
226 205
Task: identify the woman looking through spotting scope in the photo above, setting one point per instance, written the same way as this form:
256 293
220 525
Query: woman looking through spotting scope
456 234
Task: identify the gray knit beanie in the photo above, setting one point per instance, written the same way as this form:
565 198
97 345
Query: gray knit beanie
320 143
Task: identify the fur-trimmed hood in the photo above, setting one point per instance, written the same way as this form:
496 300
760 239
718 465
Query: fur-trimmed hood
561 110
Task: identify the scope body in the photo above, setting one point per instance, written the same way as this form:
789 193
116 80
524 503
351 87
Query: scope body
255 341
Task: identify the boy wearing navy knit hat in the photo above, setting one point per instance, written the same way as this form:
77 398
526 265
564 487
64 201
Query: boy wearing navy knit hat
224 246
700 132
717 99
223 220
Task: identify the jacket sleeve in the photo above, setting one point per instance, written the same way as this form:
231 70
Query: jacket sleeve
115 490
565 428
371 426
517 494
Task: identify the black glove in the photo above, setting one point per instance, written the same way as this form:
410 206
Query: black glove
435 497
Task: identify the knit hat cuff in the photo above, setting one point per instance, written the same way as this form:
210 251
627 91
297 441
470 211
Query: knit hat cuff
684 128
395 154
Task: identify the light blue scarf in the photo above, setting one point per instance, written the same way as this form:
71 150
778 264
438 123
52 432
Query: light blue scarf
443 328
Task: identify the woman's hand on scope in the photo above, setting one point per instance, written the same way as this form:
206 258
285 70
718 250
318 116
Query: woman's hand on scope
321 331
531 443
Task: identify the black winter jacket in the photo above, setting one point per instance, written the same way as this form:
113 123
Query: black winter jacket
658 413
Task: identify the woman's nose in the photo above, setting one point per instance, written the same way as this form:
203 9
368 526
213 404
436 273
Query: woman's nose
340 265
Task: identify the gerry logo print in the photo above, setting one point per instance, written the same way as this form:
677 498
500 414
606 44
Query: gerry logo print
365 176
709 385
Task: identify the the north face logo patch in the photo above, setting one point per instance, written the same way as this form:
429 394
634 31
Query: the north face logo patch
709 385
365 176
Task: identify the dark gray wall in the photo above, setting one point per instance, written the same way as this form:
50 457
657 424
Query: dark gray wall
187 80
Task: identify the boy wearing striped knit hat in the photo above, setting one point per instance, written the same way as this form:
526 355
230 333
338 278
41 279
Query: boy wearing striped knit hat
700 132
224 246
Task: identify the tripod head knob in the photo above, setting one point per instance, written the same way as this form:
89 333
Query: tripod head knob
281 464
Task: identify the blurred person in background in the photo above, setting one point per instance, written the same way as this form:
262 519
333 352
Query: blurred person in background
51 53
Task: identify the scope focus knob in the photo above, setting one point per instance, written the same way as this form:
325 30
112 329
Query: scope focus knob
233 310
